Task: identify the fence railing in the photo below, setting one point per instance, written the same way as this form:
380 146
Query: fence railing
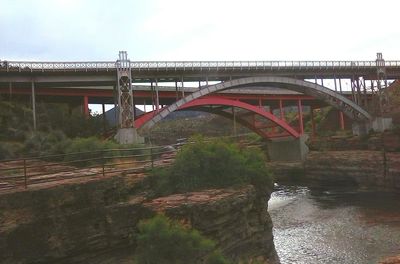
29 171
191 65
25 172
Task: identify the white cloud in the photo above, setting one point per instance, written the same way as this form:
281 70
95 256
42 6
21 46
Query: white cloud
199 30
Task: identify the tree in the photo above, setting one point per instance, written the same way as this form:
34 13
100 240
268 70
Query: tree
161 240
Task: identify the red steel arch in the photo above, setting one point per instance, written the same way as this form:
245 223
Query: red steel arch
348 107
226 102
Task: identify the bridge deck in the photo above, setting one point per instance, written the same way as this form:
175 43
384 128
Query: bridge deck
105 71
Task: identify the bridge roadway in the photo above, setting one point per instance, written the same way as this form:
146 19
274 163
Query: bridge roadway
94 81
104 73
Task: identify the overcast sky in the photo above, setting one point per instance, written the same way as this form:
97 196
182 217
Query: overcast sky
199 30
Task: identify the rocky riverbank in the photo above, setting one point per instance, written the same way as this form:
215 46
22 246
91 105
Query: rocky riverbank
96 221
364 169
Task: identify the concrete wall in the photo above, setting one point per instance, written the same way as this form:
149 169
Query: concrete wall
128 136
287 149
378 124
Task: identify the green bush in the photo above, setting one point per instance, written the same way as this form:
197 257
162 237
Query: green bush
82 149
89 151
45 143
10 150
15 120
212 164
161 240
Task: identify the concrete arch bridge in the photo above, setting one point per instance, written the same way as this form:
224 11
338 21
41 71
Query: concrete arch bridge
260 91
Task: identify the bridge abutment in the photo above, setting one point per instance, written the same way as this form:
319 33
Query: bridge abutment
288 149
378 124
128 136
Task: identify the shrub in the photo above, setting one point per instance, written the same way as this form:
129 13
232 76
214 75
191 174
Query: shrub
45 143
161 240
212 164
88 151
10 150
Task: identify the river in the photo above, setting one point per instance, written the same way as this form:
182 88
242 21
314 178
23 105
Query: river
334 226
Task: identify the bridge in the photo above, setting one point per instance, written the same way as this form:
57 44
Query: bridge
253 93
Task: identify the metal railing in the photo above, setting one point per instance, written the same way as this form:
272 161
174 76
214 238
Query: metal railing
30 171
25 172
191 65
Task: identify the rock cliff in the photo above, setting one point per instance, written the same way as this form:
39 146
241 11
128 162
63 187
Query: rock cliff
364 169
236 219
96 221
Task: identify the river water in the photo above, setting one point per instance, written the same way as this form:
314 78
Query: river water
334 226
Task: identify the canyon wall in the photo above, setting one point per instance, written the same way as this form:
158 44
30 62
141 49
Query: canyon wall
363 169
96 221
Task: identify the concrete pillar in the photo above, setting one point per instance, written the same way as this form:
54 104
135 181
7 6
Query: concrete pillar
234 121
313 134
281 109
300 112
176 90
157 97
128 136
86 105
183 87
288 149
103 110
334 79
341 120
274 129
152 95
378 124
33 105
10 90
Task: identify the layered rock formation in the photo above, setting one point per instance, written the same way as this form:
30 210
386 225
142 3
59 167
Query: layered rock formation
365 169
236 219
96 221
388 141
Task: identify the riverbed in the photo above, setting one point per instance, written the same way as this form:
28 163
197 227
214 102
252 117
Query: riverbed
334 226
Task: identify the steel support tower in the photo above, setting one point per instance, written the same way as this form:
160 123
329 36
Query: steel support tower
124 91
126 133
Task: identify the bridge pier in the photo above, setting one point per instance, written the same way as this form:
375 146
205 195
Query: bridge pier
378 124
288 149
86 106
126 133
341 120
33 105
128 136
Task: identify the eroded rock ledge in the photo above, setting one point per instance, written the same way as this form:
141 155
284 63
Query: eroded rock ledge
363 169
236 218
95 221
